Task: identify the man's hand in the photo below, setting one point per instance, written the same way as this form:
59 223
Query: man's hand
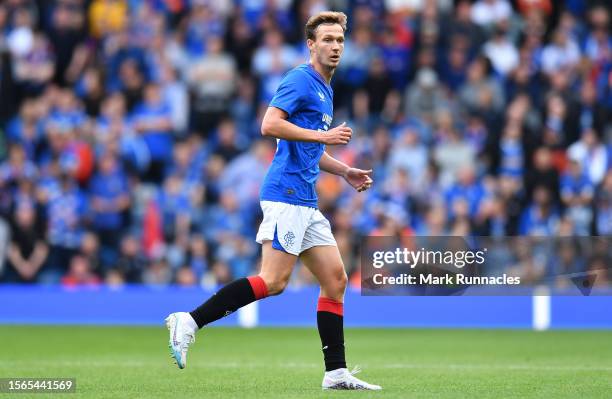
341 134
358 178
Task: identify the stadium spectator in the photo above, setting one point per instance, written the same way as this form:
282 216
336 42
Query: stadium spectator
271 61
425 97
577 195
109 203
562 53
588 113
490 12
175 94
240 41
395 51
361 119
598 43
152 119
479 84
66 33
243 108
556 131
66 211
198 255
227 230
378 85
114 279
131 263
212 79
185 277
434 222
501 51
591 154
157 274
175 207
20 35
35 67
467 192
171 95
454 69
131 80
227 145
543 174
201 23
27 251
358 56
16 167
410 155
453 152
243 174
540 218
90 249
80 273
91 90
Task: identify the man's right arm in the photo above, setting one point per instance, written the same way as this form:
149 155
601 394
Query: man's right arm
275 124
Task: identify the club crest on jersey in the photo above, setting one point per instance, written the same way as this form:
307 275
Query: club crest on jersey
289 239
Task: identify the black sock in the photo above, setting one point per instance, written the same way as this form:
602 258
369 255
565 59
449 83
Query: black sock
331 331
227 300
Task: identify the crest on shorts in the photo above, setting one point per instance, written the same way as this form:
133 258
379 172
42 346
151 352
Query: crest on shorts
289 239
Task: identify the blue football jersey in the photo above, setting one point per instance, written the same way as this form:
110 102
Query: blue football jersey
305 96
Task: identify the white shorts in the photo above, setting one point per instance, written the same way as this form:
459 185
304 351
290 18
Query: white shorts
293 228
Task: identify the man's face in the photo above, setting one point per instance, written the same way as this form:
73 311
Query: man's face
328 45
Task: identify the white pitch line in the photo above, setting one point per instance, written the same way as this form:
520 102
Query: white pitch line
149 363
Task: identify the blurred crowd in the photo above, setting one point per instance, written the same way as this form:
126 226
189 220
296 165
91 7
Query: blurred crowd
130 147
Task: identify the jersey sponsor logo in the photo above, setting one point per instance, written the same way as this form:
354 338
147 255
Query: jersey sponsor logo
326 119
321 96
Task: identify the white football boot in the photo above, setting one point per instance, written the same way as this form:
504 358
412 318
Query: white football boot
182 329
344 379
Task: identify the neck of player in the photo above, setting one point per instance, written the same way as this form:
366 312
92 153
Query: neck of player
324 71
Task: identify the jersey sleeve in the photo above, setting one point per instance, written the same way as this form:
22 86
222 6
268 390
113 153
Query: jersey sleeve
290 93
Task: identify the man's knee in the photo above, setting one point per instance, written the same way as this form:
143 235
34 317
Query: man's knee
335 287
275 283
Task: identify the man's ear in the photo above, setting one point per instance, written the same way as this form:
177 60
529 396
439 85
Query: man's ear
310 43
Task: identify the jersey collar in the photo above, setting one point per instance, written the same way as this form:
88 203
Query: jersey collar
318 75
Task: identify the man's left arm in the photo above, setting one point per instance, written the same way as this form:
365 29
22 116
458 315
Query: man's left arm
357 178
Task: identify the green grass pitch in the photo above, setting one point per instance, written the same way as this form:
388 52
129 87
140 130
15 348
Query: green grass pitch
134 362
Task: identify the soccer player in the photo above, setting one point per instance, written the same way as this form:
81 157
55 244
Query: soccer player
299 117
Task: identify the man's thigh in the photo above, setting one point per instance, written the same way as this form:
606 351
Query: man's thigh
325 263
275 264
318 233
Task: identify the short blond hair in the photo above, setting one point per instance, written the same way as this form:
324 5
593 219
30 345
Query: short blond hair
324 17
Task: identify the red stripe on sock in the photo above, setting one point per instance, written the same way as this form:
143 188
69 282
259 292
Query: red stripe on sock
329 305
259 287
